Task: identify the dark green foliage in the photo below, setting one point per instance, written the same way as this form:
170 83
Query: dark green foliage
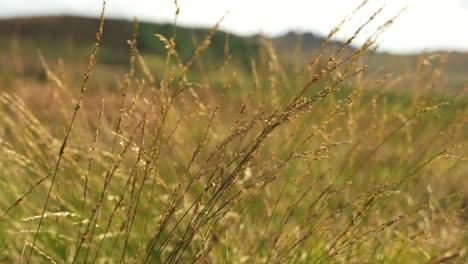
71 38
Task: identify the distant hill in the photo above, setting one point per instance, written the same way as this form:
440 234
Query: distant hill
67 35
64 35
288 43
71 38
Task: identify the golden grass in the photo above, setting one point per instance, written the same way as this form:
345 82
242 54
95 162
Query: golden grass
324 166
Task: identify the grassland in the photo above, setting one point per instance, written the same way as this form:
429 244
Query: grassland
173 158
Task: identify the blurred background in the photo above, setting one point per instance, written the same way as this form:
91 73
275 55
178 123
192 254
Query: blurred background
424 25
65 30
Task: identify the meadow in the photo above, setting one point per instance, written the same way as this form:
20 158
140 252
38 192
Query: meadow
184 158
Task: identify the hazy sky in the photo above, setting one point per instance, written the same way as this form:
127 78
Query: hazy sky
425 24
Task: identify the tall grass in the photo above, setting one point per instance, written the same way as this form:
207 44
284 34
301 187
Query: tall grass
317 166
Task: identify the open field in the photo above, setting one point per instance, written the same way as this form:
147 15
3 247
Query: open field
215 155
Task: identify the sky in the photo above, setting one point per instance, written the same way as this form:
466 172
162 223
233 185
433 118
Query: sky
423 25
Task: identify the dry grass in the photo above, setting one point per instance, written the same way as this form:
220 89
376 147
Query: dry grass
325 166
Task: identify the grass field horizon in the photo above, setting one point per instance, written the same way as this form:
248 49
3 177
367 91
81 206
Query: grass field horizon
204 148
